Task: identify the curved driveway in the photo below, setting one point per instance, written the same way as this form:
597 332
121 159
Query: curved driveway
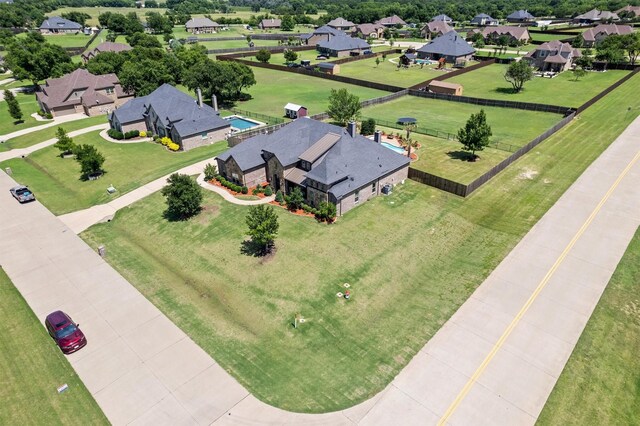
494 362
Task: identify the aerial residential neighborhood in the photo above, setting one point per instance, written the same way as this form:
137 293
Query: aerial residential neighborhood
275 212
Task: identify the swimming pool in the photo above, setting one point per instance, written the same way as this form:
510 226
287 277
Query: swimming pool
393 148
241 123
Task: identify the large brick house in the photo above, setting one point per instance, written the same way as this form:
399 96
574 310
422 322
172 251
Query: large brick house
327 162
342 46
595 35
595 16
323 33
392 21
342 25
520 16
81 92
106 46
169 112
516 35
450 46
554 56
435 29
201 25
58 25
270 24
366 31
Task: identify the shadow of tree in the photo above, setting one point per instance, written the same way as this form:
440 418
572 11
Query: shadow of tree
460 155
506 90
173 216
251 248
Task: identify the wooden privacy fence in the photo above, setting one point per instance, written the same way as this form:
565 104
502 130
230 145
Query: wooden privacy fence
608 90
251 51
455 73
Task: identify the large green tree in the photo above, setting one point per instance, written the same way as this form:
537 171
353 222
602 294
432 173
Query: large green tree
262 221
474 136
287 23
146 75
343 106
90 159
14 107
183 197
158 24
225 79
65 144
32 58
263 55
518 73
141 39
75 16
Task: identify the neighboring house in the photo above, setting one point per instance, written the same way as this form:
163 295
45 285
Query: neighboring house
633 11
169 112
327 162
595 16
483 19
520 16
516 35
294 111
341 46
554 56
450 46
442 18
107 46
391 21
445 88
369 31
81 92
435 29
342 25
595 35
329 68
58 25
324 33
6 1
201 25
270 24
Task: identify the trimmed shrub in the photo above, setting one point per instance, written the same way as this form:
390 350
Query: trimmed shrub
173 146
210 171
268 191
143 134
244 190
279 197
368 127
165 141
132 134
49 116
113 133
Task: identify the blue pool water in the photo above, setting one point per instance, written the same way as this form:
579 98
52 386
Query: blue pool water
241 123
393 147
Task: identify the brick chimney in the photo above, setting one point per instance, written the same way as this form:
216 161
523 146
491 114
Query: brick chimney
377 136
351 128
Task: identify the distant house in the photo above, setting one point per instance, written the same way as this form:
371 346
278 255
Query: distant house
329 68
326 162
6 1
342 25
391 21
341 46
445 88
483 19
324 33
442 18
369 31
450 46
554 56
595 16
58 25
294 111
630 11
81 92
521 16
516 35
201 25
107 46
595 35
435 29
270 24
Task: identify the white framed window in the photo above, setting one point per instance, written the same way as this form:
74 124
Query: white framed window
356 197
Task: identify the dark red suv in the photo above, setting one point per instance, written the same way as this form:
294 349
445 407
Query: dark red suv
65 332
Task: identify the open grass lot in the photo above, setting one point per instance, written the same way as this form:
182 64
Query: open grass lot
599 384
411 258
65 40
32 369
28 105
489 82
278 58
511 127
239 31
57 183
234 44
548 37
275 88
50 132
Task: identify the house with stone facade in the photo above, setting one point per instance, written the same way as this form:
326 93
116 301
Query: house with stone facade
342 25
169 112
81 92
520 16
392 21
450 46
323 33
595 16
327 163
58 25
435 29
554 56
595 35
106 46
366 31
516 35
342 46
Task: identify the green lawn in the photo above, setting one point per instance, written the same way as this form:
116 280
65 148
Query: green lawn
511 128
65 40
57 183
549 37
278 58
33 368
406 279
599 385
489 82
235 44
274 89
28 105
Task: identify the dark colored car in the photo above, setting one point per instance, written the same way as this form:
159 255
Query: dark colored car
65 332
22 194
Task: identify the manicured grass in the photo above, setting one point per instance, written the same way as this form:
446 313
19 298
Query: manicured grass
549 37
511 128
235 44
33 368
599 384
274 89
311 55
28 105
563 90
45 134
65 40
94 12
57 183
411 258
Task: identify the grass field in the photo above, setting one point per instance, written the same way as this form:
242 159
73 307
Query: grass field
274 89
489 82
548 37
234 44
57 183
509 126
599 384
33 368
65 40
28 105
411 258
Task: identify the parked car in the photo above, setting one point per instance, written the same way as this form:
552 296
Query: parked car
293 65
65 332
367 52
321 57
22 193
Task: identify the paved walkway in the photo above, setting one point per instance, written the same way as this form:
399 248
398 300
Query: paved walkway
494 362
7 81
56 121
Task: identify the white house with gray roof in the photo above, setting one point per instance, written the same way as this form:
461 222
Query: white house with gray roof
450 46
327 162
169 112
58 25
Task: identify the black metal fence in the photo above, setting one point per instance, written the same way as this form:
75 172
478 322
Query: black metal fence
268 119
237 138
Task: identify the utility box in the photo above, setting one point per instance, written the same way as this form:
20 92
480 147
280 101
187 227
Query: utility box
101 251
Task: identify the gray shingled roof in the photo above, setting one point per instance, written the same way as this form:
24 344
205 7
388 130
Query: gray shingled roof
201 23
339 43
325 29
340 22
442 17
520 15
479 17
449 44
58 23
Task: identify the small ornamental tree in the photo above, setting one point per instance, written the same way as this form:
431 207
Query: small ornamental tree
579 72
210 171
263 226
279 197
517 74
474 136
14 107
377 61
183 196
295 199
65 143
327 212
290 56
343 106
90 160
263 56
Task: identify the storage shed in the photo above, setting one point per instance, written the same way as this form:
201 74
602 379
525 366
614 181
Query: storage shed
329 68
294 111
445 88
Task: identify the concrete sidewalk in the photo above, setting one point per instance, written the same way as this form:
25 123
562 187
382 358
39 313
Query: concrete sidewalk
55 122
